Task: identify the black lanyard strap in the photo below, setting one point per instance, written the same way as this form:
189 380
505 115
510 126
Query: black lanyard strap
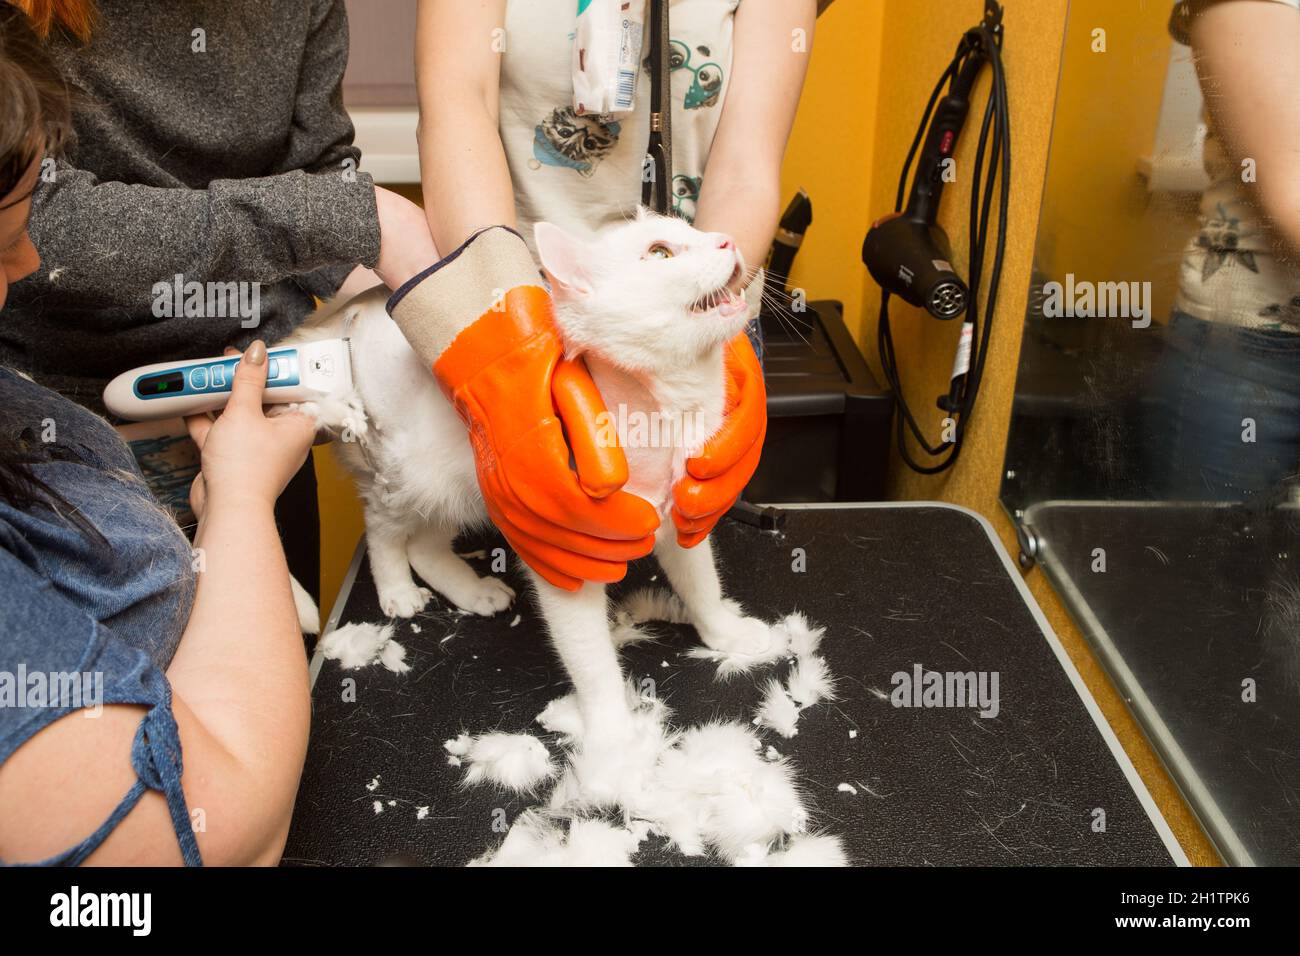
657 174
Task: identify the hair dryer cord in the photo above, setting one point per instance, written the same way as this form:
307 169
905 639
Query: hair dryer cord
992 164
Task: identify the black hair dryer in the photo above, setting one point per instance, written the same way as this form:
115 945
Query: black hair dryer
906 252
910 259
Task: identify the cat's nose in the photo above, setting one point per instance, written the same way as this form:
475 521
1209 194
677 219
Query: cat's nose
726 242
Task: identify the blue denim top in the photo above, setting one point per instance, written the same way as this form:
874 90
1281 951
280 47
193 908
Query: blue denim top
72 605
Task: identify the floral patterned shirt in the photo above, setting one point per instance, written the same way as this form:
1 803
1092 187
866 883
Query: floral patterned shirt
1232 271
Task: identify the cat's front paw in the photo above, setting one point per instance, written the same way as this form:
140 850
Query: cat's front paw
403 601
486 597
340 414
733 634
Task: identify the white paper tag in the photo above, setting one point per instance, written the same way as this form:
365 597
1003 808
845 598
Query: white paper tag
961 361
607 55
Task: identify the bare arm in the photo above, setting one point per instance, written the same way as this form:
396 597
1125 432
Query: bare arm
741 194
238 678
1246 58
462 162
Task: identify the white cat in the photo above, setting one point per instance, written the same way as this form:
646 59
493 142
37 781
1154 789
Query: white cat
647 304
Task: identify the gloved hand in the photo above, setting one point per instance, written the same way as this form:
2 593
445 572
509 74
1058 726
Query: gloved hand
502 367
715 478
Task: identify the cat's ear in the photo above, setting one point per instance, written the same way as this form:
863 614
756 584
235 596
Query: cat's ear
562 258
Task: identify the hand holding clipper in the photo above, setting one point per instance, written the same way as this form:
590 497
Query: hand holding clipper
301 373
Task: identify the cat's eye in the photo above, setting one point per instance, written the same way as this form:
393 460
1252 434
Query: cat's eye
660 251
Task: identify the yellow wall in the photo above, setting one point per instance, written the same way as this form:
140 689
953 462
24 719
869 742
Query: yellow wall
341 524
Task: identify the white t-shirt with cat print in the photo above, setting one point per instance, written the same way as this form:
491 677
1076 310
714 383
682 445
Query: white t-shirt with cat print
584 172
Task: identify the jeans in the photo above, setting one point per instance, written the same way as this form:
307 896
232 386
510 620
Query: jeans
1225 421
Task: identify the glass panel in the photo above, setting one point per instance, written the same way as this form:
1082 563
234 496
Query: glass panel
1152 458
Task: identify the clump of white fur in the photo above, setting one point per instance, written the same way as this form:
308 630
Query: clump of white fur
561 716
711 788
715 789
810 681
393 656
817 849
803 638
777 710
358 645
789 637
538 840
517 762
708 788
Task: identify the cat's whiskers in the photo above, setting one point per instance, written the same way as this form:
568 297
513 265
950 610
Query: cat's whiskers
778 305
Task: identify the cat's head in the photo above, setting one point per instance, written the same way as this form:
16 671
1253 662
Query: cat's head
650 295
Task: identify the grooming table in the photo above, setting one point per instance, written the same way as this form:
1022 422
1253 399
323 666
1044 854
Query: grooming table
894 585
1196 598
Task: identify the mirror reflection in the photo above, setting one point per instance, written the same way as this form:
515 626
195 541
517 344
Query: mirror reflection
1153 454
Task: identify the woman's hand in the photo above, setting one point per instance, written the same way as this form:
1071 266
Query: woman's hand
248 457
499 360
529 412
715 478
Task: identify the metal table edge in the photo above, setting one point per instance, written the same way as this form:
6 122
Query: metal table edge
1197 797
336 612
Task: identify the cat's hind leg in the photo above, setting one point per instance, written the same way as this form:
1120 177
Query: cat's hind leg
386 538
694 576
431 555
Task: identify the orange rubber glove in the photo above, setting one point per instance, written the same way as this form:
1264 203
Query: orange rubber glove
501 365
715 478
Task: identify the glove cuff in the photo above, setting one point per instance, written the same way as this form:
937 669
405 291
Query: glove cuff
435 306
523 326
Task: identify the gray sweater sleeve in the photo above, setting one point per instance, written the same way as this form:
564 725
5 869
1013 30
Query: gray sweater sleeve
321 137
109 242
312 219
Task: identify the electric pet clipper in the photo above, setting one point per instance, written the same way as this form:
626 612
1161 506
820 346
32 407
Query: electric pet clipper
301 373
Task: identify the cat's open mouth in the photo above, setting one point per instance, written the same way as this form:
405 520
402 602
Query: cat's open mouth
724 299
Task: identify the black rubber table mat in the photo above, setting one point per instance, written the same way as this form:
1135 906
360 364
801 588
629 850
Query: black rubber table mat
893 587
1194 600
